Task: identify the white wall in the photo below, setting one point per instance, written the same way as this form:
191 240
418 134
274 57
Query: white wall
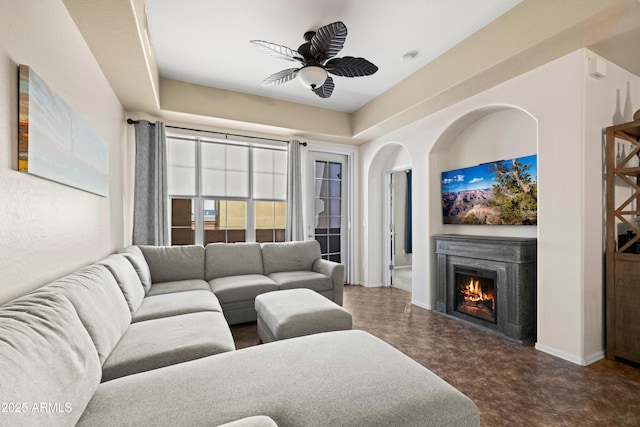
398 158
601 104
569 176
47 229
499 135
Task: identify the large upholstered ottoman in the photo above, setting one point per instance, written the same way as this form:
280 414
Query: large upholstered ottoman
296 312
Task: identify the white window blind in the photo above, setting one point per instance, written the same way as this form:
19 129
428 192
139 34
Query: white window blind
269 174
181 165
230 191
224 170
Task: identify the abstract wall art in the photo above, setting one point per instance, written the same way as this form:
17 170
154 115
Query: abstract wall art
54 141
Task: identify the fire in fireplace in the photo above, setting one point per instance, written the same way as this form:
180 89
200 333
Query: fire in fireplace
475 294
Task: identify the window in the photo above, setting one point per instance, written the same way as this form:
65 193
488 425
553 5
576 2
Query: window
225 221
222 191
182 222
270 221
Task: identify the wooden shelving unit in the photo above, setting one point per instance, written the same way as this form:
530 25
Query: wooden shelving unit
623 255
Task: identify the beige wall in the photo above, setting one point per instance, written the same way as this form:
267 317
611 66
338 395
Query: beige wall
601 104
569 108
47 229
504 134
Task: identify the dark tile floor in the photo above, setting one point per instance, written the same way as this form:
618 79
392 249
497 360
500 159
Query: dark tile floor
513 385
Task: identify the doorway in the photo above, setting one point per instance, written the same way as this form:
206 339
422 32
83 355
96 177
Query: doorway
399 219
328 207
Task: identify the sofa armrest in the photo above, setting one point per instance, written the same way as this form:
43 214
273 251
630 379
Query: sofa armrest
336 272
256 421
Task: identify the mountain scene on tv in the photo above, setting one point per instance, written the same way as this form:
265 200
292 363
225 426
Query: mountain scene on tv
504 192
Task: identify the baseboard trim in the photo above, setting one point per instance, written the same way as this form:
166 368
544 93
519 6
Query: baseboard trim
421 304
570 358
413 301
372 285
594 358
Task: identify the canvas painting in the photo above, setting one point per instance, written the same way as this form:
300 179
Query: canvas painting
55 143
503 192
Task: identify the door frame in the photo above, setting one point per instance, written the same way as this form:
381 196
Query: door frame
348 206
387 221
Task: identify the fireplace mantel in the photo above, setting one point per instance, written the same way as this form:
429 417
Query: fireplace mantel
514 261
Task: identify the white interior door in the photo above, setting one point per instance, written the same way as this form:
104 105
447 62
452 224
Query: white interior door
327 205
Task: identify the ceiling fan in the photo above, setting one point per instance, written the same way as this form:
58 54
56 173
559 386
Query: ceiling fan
317 58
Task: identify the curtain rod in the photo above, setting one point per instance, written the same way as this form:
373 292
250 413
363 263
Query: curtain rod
304 144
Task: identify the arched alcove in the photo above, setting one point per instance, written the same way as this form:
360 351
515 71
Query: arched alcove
484 135
389 157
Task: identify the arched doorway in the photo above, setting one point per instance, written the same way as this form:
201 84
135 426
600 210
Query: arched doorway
485 135
389 222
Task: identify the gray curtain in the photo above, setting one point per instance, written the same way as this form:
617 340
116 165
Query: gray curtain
294 228
150 225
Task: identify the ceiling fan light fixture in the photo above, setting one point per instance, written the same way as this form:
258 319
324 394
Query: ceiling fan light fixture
317 57
312 76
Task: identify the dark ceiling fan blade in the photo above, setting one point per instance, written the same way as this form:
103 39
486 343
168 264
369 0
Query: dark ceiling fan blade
328 41
277 50
350 67
319 50
326 89
281 77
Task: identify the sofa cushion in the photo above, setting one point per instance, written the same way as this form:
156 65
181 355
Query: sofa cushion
135 257
127 278
239 312
44 349
161 342
171 263
241 288
289 256
178 286
297 312
165 305
99 302
232 259
302 279
345 378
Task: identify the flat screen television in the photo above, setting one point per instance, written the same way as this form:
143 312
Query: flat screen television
503 192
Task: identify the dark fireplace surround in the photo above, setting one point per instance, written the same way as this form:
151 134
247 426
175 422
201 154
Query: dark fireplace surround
507 264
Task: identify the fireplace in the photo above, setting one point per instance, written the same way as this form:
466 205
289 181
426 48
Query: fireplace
475 293
488 281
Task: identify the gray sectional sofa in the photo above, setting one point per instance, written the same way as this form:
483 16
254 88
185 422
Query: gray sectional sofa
142 338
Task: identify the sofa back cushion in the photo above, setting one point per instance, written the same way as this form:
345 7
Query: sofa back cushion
232 259
127 278
99 302
48 359
135 257
171 263
289 256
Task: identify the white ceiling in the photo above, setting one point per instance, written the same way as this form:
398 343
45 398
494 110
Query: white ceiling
207 41
214 47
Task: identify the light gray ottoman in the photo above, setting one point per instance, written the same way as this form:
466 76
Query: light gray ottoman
295 312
